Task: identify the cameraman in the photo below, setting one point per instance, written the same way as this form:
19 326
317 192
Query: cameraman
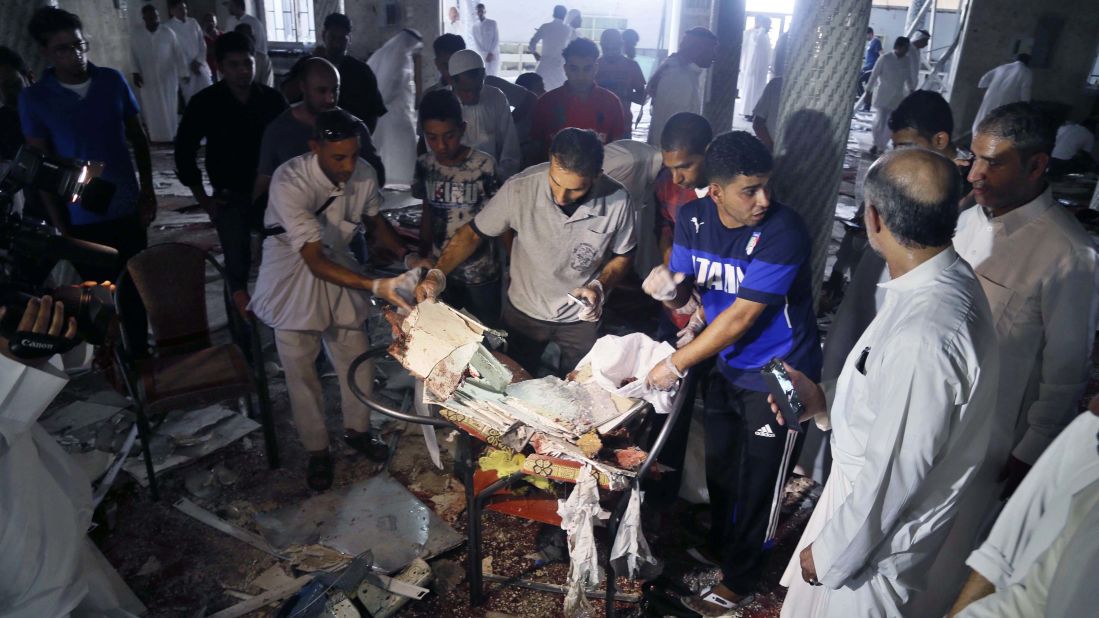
48 567
82 111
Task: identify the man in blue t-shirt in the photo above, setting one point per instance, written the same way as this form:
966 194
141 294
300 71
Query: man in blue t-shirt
82 111
873 52
749 259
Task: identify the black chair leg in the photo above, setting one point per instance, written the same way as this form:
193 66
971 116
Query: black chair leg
267 419
146 435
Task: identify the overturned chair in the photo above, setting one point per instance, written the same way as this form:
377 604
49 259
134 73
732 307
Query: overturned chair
185 368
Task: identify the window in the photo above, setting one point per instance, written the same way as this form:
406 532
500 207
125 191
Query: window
291 21
592 27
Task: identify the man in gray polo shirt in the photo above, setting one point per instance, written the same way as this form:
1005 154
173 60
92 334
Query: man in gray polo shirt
575 240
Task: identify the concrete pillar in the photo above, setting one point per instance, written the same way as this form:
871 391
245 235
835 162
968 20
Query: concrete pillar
729 17
995 30
818 95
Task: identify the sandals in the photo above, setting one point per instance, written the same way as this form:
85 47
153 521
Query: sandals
712 605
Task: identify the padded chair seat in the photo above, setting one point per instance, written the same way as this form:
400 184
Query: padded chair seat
212 374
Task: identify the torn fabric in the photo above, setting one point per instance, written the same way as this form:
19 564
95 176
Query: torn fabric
615 359
578 514
630 553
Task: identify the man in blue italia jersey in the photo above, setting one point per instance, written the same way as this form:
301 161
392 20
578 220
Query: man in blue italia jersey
749 259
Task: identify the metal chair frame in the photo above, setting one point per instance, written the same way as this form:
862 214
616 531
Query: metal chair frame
126 362
476 501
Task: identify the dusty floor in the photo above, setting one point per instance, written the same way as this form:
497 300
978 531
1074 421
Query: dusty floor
180 567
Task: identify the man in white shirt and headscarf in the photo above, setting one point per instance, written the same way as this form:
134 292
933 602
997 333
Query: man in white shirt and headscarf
159 67
890 81
677 85
486 40
237 16
1005 84
754 64
919 41
913 410
489 125
554 35
1040 271
310 290
1041 557
192 42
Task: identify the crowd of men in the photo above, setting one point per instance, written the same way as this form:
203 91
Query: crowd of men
951 372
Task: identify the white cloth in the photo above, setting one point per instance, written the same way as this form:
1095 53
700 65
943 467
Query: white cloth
754 64
578 514
908 438
490 128
1006 83
486 40
192 43
455 27
614 359
555 36
48 566
635 166
159 60
288 295
1046 309
1071 139
264 73
913 58
395 134
675 87
258 29
1027 554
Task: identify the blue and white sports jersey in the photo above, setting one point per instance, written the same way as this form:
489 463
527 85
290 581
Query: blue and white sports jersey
767 263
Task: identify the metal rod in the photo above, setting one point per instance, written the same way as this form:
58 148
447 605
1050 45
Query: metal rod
556 589
371 403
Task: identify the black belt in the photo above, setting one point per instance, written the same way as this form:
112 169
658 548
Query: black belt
278 229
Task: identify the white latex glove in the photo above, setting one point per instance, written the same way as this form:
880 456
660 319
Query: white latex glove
398 290
432 285
664 375
691 330
413 260
591 297
694 303
661 283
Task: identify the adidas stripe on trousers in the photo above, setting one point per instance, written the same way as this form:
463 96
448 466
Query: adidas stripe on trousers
748 459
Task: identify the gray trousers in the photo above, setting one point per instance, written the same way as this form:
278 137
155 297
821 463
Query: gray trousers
528 338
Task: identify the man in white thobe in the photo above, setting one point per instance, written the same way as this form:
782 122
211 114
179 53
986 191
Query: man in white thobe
554 35
49 567
912 412
754 64
1041 557
1046 305
310 290
486 40
158 69
454 23
1005 84
192 42
489 125
635 166
919 41
677 85
889 83
237 16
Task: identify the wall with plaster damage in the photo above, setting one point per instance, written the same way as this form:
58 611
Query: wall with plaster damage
991 33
